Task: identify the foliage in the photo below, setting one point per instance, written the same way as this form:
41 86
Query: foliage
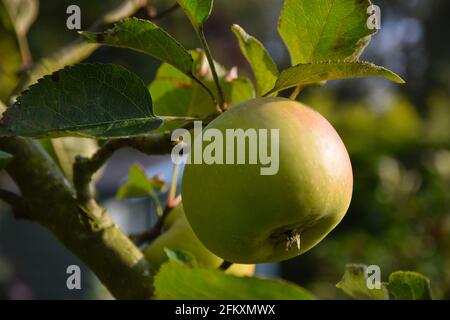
107 101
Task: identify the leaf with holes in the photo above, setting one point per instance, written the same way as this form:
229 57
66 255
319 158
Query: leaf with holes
307 74
322 30
263 66
93 100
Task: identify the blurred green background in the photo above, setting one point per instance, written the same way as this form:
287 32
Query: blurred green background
398 138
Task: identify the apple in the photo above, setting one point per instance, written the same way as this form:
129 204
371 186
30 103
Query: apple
178 235
244 216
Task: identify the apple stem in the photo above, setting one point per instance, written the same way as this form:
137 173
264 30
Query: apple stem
293 238
296 92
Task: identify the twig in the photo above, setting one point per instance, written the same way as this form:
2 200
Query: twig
16 202
221 97
85 168
95 239
296 92
154 232
172 196
156 144
27 58
210 93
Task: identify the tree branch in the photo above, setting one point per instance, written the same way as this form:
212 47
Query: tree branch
85 168
91 235
154 144
52 202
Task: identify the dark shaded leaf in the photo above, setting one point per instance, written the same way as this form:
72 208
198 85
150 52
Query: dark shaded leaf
93 100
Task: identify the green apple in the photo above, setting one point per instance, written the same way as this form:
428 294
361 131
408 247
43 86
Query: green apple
178 235
243 216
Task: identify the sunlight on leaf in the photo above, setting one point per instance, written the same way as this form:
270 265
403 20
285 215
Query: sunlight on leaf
306 74
263 66
322 30
177 282
92 100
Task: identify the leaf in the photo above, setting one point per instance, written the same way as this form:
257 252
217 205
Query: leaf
10 58
138 185
68 55
263 66
354 283
23 13
178 282
182 257
5 159
407 285
238 90
322 30
175 94
305 74
147 37
198 11
79 50
91 100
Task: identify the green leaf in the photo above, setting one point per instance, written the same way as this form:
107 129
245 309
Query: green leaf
175 94
69 55
78 50
407 285
177 282
322 30
5 158
263 66
147 37
23 13
182 257
198 11
10 58
354 283
306 74
91 100
238 90
138 185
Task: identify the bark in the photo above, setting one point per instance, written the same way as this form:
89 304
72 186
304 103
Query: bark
91 235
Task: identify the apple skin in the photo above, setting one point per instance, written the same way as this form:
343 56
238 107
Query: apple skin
178 235
245 217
